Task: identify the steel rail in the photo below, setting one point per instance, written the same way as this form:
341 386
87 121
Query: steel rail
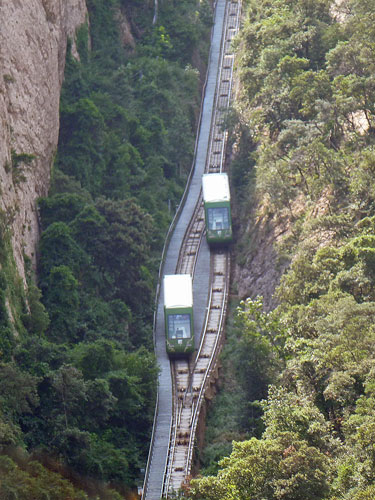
168 470
228 96
218 271
187 263
191 241
208 371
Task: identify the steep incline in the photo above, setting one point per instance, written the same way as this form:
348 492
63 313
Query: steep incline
160 445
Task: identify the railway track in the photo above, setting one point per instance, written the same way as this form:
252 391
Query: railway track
190 379
190 382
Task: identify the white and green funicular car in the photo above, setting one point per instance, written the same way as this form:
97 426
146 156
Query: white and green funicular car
216 198
178 314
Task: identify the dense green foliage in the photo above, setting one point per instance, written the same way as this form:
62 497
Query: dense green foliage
307 113
79 382
34 482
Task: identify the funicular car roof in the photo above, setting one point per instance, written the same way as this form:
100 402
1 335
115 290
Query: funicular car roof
178 290
215 187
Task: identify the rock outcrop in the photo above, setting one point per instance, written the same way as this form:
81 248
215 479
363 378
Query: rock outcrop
33 36
260 270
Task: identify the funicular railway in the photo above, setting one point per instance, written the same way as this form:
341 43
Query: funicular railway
182 383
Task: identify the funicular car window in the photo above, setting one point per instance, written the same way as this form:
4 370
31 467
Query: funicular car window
179 326
218 218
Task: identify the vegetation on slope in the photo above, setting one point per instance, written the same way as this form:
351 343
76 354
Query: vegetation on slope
307 114
79 382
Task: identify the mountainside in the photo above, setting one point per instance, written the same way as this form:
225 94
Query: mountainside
33 38
299 396
106 160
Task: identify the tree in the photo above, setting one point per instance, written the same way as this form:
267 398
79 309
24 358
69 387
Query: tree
61 207
94 359
87 226
58 248
34 482
62 300
37 320
272 469
18 391
70 394
100 404
122 250
125 174
357 467
81 142
10 434
288 412
259 349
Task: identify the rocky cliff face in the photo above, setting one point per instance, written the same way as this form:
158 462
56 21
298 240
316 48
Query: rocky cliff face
33 36
258 269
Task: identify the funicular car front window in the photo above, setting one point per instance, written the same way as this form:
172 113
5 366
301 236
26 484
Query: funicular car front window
179 326
218 218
